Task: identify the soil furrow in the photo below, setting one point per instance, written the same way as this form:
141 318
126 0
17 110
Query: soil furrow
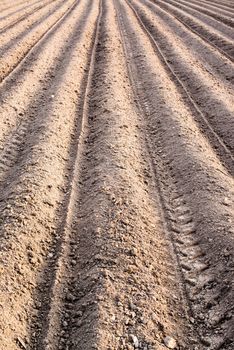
5 7
14 140
189 177
225 4
7 15
214 7
38 180
116 164
213 24
22 29
214 62
210 35
202 87
13 52
20 18
20 89
218 16
111 268
56 278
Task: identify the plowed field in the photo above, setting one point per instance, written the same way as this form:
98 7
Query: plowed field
116 174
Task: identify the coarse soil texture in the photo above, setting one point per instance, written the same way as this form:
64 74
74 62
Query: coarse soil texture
116 174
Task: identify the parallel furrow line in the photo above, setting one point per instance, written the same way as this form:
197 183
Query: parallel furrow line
57 276
218 17
51 139
19 34
220 28
216 43
211 132
178 216
15 5
203 53
224 4
215 7
14 145
38 41
19 10
21 18
156 165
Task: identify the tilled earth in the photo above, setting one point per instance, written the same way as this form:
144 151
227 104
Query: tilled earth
116 174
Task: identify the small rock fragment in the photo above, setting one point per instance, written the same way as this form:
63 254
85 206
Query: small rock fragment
133 252
135 341
226 201
170 342
79 313
70 297
65 323
21 343
79 323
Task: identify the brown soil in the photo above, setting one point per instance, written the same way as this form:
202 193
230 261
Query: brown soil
116 175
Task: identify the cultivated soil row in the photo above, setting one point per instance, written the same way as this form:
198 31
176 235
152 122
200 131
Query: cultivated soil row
116 175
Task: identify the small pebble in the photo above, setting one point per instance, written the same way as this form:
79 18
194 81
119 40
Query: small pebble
133 251
70 297
225 201
79 323
135 341
170 342
65 323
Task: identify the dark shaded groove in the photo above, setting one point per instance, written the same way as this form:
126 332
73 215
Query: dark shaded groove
206 20
15 5
39 325
20 19
225 4
216 42
20 36
194 87
5 87
23 8
159 180
215 7
220 18
176 193
40 97
224 153
205 53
